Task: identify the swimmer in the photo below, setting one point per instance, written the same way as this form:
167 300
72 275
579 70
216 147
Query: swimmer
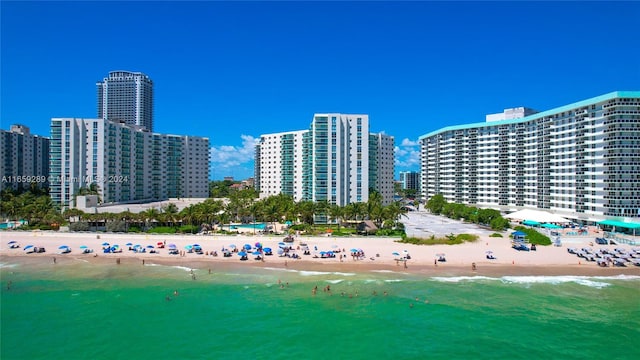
175 293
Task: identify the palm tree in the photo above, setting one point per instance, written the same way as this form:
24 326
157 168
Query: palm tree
336 213
306 209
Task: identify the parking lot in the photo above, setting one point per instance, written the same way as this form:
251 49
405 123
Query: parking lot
423 224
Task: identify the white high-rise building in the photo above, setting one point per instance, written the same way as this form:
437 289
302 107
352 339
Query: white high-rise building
581 160
24 158
127 163
126 96
332 161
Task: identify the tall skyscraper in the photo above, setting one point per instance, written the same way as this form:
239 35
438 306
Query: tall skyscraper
24 158
336 160
126 97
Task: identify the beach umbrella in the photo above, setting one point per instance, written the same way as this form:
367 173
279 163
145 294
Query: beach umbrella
172 246
232 246
488 252
281 244
63 247
267 249
257 253
84 247
188 247
242 253
280 251
196 245
28 247
105 244
354 250
150 246
12 242
258 245
247 246
128 244
395 253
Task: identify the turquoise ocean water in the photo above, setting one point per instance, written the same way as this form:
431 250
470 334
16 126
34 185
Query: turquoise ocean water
83 311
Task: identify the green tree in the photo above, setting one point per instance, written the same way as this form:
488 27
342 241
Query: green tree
436 204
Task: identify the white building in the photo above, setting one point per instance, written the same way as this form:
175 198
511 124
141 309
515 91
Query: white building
126 96
127 163
24 158
330 161
581 160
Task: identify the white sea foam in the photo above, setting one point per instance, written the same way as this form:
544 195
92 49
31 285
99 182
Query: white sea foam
455 279
181 267
334 281
393 280
385 271
590 281
315 273
5 265
581 280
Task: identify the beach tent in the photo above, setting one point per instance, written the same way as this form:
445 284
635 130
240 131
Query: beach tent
530 223
518 235
621 224
536 215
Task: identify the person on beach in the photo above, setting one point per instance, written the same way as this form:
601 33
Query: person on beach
118 261
473 266
54 259
9 285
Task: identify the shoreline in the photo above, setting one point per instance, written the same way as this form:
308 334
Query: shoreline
546 261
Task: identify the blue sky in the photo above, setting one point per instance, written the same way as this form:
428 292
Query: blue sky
232 71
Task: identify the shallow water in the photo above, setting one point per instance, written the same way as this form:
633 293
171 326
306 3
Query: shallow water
86 310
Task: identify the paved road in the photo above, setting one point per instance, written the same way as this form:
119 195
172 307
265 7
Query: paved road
423 224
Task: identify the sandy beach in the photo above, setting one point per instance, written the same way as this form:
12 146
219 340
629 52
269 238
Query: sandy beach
378 253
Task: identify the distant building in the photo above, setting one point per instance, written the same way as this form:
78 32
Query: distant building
382 165
410 180
580 160
126 96
337 160
127 163
24 158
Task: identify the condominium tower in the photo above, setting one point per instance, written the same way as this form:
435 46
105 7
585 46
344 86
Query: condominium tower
126 96
127 163
581 160
410 180
337 160
24 159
